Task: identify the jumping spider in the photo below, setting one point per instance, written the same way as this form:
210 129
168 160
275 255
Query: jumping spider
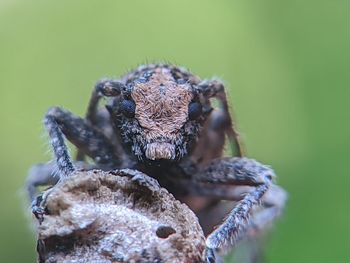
158 119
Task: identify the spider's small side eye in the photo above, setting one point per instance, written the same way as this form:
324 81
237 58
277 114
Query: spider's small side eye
127 107
194 110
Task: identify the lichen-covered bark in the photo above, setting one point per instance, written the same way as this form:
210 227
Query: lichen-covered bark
120 216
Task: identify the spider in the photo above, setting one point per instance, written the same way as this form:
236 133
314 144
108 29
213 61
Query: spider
159 119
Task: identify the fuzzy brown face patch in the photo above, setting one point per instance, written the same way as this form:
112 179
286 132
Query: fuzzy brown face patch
161 109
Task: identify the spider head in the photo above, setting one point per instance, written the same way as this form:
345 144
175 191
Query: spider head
159 117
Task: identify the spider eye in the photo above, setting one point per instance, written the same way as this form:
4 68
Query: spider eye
127 107
194 110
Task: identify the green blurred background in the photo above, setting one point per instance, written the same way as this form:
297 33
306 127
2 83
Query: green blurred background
286 64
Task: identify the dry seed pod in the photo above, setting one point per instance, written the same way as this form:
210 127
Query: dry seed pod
119 216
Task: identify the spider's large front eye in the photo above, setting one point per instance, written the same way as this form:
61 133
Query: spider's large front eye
127 107
194 110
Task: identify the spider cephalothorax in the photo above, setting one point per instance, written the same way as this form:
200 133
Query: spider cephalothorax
158 115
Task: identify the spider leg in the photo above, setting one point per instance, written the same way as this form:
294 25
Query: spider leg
261 219
96 117
232 229
86 138
46 174
209 256
272 206
43 174
100 117
64 163
238 171
103 88
39 175
51 173
216 89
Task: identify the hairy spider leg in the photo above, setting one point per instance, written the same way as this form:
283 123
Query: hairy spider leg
85 137
64 163
102 88
236 173
216 89
42 174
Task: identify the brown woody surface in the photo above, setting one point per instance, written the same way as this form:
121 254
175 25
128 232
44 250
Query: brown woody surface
120 216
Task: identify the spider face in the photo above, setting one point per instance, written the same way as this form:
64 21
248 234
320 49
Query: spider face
159 116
